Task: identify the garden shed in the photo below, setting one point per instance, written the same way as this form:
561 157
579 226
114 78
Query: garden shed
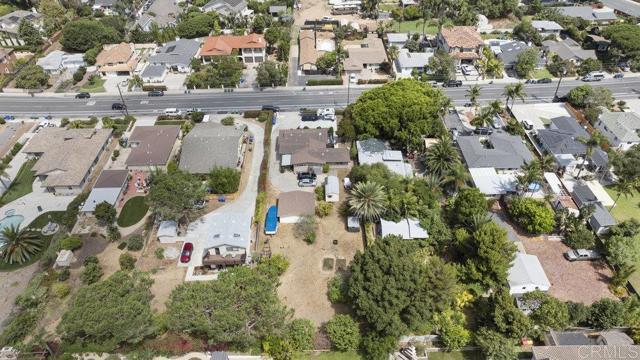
332 189
167 232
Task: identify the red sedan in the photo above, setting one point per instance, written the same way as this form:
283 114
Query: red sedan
187 249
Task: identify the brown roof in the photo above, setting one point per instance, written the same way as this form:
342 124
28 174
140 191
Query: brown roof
66 155
152 145
296 203
308 52
111 179
225 44
462 36
292 140
464 55
320 156
117 57
586 352
372 53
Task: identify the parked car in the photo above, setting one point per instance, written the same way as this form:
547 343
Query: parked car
618 75
582 254
307 183
527 125
346 182
83 95
353 79
309 117
498 123
307 175
452 83
156 93
172 112
593 76
271 108
192 110
118 106
531 81
483 131
9 117
187 249
545 81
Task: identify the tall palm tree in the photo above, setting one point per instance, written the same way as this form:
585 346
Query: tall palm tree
496 106
625 187
484 117
473 93
457 178
18 245
596 140
547 163
393 52
513 92
367 201
442 157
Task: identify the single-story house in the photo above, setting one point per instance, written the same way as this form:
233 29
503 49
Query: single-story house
210 145
163 13
277 10
397 39
7 59
627 7
59 61
107 188
599 43
620 128
308 54
249 48
374 151
599 15
499 151
561 139
117 60
304 149
492 183
9 24
167 232
332 189
583 195
294 205
601 220
463 43
228 7
510 51
408 62
66 157
104 6
546 27
176 55
407 229
526 275
228 241
369 55
152 146
153 73
568 49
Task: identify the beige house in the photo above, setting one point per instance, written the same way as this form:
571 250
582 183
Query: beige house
309 149
463 43
117 60
152 147
368 56
66 157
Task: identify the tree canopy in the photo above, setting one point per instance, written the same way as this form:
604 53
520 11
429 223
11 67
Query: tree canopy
489 255
172 196
533 215
84 34
402 112
32 77
625 38
222 71
196 25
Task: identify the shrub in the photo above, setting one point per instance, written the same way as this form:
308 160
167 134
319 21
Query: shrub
135 243
159 253
533 215
16 148
264 116
325 168
251 114
320 82
323 209
127 262
310 238
300 333
580 238
343 332
228 121
197 116
273 266
79 74
122 245
223 180
338 292
60 290
154 88
91 273
90 260
64 274
606 314
70 243
113 233
306 229
319 193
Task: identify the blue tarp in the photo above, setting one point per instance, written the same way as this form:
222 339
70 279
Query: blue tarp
271 221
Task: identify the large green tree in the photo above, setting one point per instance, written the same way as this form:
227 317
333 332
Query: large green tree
224 180
18 245
222 71
172 196
490 255
32 77
548 312
534 216
195 25
403 112
469 203
527 61
29 34
84 34
271 73
495 346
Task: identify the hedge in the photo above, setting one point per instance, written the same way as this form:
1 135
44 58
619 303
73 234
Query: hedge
251 114
154 88
372 81
314 82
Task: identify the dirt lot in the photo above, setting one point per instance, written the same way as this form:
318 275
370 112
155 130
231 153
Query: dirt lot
580 281
316 9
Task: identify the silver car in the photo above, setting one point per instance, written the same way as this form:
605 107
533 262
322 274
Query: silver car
582 255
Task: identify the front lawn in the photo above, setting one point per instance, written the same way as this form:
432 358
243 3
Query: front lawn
413 26
133 211
94 85
541 74
21 185
38 223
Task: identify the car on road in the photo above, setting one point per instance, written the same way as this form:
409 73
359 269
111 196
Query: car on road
582 255
307 182
270 108
83 95
172 112
192 110
187 249
531 81
618 75
452 83
593 76
9 117
545 81
156 93
118 106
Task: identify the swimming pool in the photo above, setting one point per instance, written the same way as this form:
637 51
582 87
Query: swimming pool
12 220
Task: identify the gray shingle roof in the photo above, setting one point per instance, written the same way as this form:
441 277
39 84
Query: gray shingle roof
225 7
583 195
601 218
176 53
208 145
563 137
624 125
546 25
588 13
628 7
153 71
568 49
498 151
510 51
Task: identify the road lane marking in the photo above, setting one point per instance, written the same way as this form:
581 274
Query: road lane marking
91 103
144 102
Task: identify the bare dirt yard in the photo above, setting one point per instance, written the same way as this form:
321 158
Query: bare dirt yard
580 281
304 285
12 283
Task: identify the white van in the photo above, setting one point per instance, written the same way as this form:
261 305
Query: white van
593 76
172 112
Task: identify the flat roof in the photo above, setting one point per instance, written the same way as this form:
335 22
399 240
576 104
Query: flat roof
100 195
489 182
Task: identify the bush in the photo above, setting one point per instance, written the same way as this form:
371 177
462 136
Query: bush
70 243
135 243
251 114
310 238
113 233
300 334
223 180
343 332
16 148
60 290
64 274
159 253
580 238
606 314
90 260
319 193
79 74
71 215
91 273
154 88
325 168
197 116
323 209
317 82
127 262
273 266
228 121
338 292
306 229
534 216
264 116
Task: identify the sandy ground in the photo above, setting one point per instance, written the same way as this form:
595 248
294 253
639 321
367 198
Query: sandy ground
165 273
24 128
11 285
316 9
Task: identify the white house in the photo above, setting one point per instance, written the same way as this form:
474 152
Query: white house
526 275
332 189
58 61
407 229
167 232
546 27
407 62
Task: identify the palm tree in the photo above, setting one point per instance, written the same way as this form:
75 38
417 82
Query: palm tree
485 117
624 187
442 157
393 52
367 201
473 93
547 163
18 245
4 174
596 140
457 177
496 106
513 91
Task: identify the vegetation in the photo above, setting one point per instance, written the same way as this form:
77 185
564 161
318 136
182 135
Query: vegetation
343 332
91 273
105 213
32 77
21 185
72 242
223 180
272 74
18 245
534 216
84 34
127 261
133 211
223 71
367 201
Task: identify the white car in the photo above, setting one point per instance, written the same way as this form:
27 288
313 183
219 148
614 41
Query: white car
353 79
172 112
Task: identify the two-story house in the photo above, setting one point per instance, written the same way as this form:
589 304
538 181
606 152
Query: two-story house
463 43
249 48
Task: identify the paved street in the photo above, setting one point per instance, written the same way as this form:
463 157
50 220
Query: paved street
286 98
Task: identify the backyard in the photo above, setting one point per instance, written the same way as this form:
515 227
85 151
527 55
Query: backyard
22 184
627 208
414 26
133 211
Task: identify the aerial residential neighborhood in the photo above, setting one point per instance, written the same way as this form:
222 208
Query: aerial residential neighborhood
320 180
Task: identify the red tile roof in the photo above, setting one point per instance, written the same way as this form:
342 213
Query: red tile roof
225 44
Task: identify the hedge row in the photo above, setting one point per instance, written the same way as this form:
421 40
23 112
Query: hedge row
150 87
251 114
372 81
313 82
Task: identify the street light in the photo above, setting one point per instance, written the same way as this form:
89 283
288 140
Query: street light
124 105
562 74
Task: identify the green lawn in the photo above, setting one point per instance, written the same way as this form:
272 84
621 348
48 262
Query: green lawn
387 7
22 185
456 355
96 87
414 26
133 211
333 355
627 208
542 73
38 223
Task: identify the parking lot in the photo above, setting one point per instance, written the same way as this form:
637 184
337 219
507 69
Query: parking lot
580 281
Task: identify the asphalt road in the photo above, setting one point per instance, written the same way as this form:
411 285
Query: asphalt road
285 98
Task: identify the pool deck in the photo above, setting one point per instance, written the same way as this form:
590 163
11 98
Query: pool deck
27 205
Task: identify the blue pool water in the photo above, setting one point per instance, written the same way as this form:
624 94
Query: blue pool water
13 220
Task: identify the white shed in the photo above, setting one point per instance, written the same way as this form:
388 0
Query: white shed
167 232
526 275
332 189
64 259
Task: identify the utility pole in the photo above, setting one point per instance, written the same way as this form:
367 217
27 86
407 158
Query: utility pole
348 90
562 74
126 111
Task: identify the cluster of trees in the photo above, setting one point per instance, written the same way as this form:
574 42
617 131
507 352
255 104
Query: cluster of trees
590 100
271 74
533 215
85 34
222 71
625 42
32 77
173 194
223 180
197 24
